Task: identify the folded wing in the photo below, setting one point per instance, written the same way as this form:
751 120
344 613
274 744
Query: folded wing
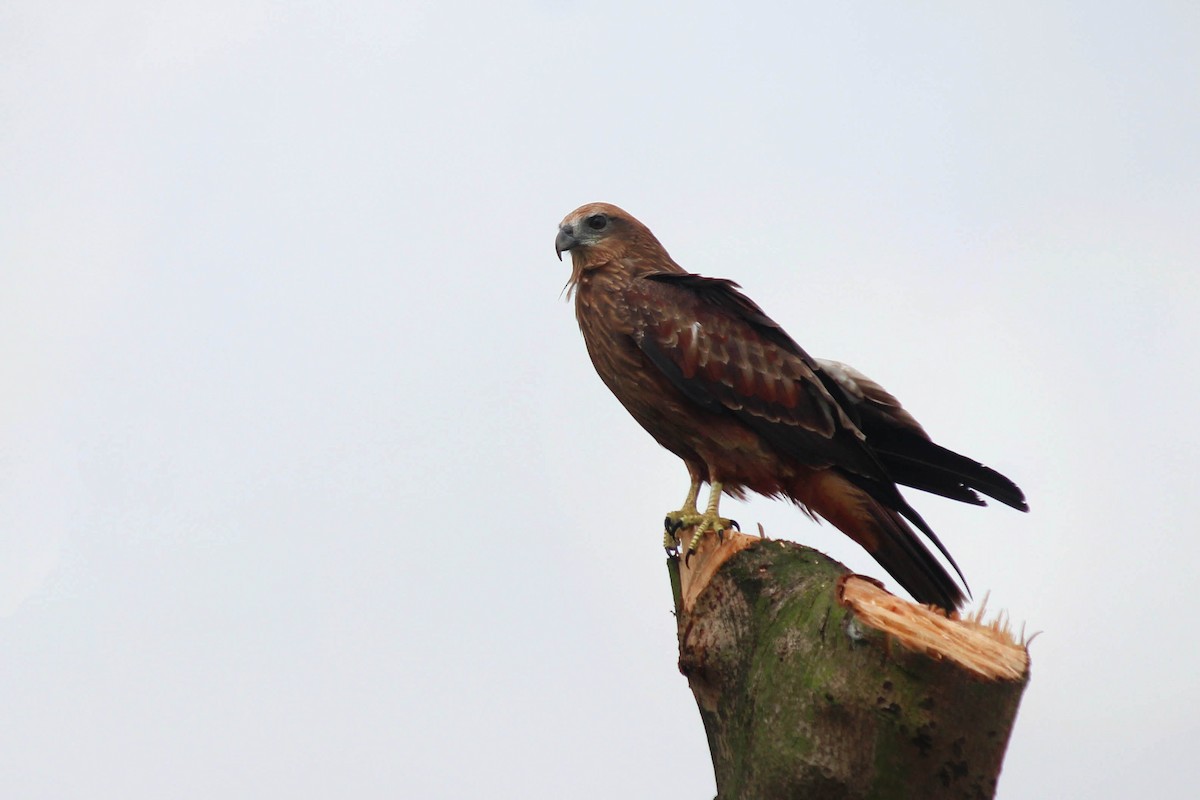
726 355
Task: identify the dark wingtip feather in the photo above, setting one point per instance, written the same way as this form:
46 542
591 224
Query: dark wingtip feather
928 466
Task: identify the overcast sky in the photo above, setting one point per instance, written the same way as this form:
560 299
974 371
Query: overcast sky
307 486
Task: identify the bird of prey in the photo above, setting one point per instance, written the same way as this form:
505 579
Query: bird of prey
720 384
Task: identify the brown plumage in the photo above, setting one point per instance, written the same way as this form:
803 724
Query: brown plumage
719 384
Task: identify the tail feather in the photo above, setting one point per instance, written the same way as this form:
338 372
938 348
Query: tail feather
907 560
884 534
887 495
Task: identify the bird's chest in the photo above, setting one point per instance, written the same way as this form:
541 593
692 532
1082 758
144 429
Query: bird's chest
607 323
609 326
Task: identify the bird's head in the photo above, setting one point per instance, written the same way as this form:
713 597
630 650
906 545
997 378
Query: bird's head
590 229
599 233
601 236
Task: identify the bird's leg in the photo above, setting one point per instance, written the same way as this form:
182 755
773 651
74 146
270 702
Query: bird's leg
711 519
685 517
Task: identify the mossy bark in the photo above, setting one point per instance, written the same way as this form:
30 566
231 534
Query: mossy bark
801 699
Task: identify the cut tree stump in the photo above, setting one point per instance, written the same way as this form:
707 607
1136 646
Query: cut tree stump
815 683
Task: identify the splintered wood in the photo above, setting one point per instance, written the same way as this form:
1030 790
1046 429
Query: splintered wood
696 572
988 650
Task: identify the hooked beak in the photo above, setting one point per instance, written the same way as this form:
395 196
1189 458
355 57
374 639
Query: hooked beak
564 241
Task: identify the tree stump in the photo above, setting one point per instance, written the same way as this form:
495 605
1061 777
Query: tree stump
815 683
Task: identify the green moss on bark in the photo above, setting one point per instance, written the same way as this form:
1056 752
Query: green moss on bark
799 699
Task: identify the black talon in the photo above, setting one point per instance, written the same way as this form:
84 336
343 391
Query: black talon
687 559
733 522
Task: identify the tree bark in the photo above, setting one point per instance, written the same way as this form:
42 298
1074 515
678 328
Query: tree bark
814 683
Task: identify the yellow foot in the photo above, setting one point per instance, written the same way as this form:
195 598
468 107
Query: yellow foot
677 521
683 519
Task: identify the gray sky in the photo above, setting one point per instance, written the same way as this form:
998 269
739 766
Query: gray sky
307 487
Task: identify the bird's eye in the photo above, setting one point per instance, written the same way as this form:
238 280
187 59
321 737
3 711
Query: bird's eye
597 222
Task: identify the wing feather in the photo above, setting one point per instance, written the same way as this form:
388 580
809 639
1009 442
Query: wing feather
721 351
905 449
